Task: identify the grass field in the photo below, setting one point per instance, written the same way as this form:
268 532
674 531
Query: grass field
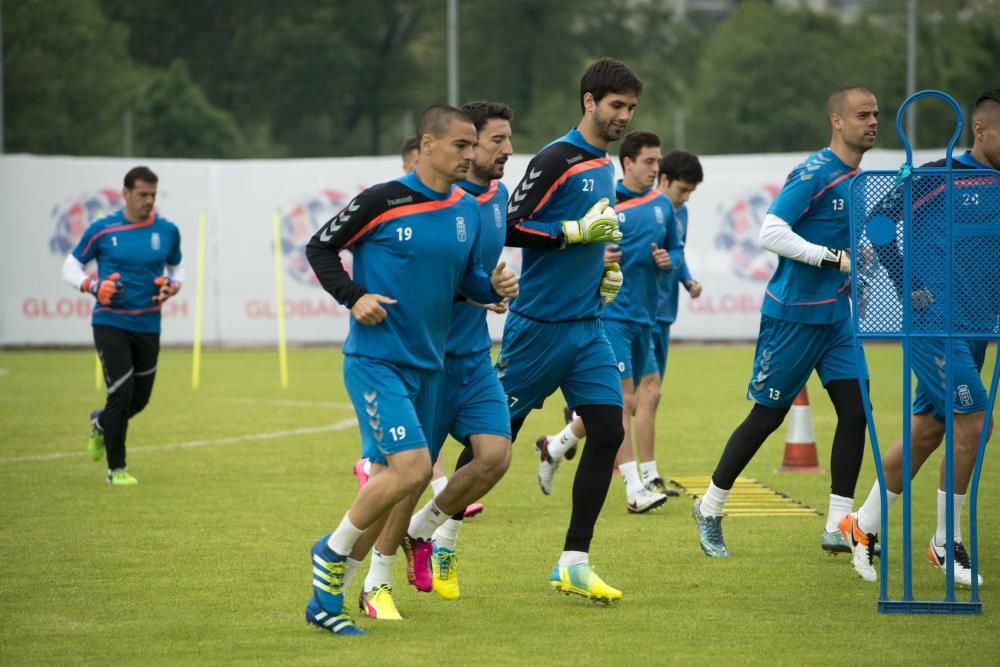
207 560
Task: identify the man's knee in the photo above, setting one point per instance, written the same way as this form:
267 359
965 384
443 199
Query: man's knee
649 393
413 470
492 458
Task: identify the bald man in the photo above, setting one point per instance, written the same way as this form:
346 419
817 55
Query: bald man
805 320
977 312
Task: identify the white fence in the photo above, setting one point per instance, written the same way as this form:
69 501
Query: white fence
47 202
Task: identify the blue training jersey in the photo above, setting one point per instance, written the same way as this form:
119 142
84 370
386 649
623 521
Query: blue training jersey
469 333
138 251
642 219
814 201
975 254
669 281
411 244
562 182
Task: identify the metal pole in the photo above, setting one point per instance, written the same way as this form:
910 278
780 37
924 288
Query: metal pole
127 133
453 52
1 79
911 69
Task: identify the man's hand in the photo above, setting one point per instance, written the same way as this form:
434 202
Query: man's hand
106 291
661 257
166 288
598 225
611 282
504 282
693 288
612 253
499 307
922 298
837 259
368 309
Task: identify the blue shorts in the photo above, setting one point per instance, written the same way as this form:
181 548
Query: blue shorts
472 401
395 405
631 343
787 353
928 363
661 346
536 358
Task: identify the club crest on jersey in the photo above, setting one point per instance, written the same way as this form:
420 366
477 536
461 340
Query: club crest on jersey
497 216
154 241
658 212
460 228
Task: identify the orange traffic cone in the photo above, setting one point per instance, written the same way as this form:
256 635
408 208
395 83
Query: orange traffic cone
800 440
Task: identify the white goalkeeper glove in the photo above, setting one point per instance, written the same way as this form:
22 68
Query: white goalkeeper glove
836 259
598 225
611 282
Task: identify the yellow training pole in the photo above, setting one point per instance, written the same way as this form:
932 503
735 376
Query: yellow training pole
98 373
280 306
199 305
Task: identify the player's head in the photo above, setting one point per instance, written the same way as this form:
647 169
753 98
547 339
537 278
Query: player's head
609 91
447 142
492 121
680 174
640 156
410 152
853 115
986 128
139 192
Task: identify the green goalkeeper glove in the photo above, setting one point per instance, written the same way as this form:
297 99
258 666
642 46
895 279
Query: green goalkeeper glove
611 282
598 225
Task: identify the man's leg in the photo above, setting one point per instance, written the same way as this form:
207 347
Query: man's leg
115 350
638 498
552 449
647 400
846 456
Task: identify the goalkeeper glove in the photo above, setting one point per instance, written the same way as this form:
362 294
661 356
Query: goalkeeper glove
598 225
106 291
166 288
836 259
611 282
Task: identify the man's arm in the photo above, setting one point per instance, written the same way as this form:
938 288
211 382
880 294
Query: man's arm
339 233
778 236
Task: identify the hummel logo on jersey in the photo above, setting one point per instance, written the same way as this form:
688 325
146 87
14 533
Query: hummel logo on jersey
337 221
371 395
402 200
574 159
518 197
766 355
534 174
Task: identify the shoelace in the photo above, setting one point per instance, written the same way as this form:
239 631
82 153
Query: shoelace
713 527
445 561
870 550
961 556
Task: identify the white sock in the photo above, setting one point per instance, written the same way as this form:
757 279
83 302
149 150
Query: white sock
446 535
437 485
425 522
558 444
570 558
649 471
342 540
380 570
367 467
630 473
350 571
839 508
870 513
714 500
941 534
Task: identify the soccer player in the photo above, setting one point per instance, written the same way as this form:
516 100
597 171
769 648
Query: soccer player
133 248
679 175
410 152
804 321
473 408
643 214
553 337
977 304
415 244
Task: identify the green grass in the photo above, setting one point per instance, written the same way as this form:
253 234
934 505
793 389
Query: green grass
206 561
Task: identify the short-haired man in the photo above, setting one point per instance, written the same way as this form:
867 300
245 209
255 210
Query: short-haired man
138 254
553 338
415 244
410 152
805 320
